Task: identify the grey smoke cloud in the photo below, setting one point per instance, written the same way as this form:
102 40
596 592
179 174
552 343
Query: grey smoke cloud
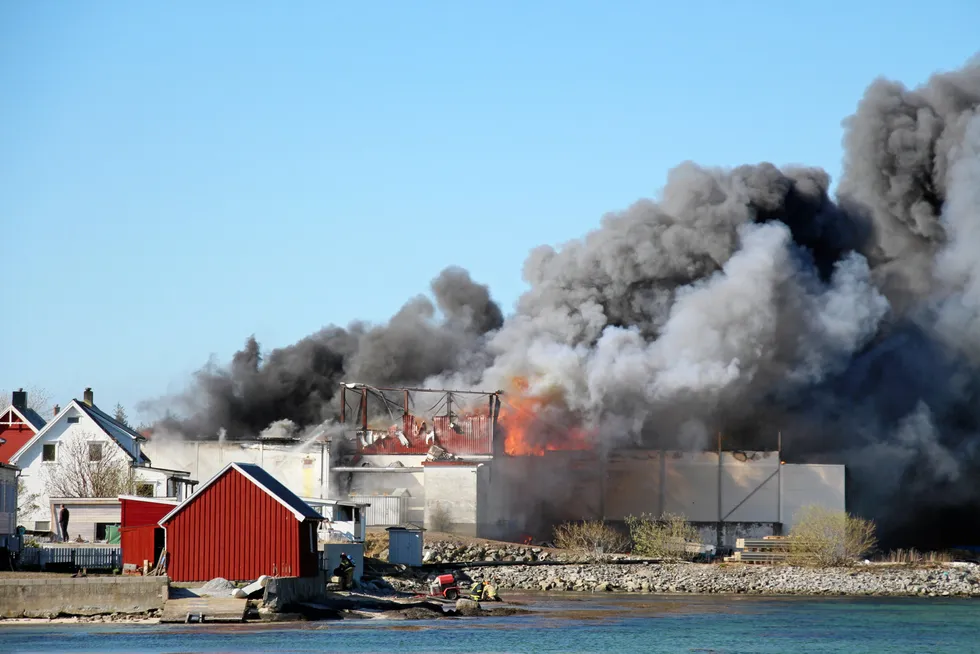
746 301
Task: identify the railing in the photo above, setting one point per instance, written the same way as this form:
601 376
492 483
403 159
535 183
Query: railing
92 558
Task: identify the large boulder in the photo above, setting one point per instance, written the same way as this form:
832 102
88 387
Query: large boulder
466 606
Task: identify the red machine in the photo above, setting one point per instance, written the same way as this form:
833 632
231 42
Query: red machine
445 586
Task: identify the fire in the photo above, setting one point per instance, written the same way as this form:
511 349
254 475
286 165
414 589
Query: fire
527 433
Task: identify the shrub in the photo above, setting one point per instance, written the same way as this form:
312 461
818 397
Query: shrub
914 556
592 536
670 536
825 537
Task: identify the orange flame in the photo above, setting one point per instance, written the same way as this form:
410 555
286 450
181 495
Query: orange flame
522 437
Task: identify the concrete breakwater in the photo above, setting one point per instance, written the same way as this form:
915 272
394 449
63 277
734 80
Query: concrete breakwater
951 580
59 596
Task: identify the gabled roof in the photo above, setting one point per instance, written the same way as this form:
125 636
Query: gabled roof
258 476
14 440
29 416
112 428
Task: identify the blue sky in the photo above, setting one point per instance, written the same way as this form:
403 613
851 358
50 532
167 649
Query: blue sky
177 176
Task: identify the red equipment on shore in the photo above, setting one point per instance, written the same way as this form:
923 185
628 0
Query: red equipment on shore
444 586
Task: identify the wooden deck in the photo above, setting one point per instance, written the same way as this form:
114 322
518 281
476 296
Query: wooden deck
204 609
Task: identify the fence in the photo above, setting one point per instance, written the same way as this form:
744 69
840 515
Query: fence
92 558
385 510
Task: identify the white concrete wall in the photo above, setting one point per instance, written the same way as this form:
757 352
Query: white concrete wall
823 485
453 490
299 467
689 486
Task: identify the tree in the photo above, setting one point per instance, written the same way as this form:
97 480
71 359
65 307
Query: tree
38 399
121 415
825 537
89 467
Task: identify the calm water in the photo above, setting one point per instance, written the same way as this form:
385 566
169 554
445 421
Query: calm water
589 624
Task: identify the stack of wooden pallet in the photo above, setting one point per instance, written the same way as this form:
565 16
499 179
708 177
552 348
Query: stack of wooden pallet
771 549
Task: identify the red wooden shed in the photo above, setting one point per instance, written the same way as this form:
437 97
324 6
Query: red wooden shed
241 523
140 535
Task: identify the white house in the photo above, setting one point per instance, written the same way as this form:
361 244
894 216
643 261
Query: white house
79 438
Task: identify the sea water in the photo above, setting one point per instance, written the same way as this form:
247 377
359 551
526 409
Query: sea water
597 623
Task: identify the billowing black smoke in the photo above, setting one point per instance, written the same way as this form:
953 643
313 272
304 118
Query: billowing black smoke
299 382
745 301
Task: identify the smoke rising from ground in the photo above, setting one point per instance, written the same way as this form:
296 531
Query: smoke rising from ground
746 301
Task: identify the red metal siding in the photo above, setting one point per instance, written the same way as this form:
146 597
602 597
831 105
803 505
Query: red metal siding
234 529
137 544
136 513
474 435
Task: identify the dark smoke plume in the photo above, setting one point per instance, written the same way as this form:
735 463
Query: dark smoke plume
746 301
299 382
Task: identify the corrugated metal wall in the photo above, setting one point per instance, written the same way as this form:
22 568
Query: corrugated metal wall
138 543
234 529
385 510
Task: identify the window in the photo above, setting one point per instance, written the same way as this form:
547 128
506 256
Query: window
95 451
73 420
144 490
50 452
42 525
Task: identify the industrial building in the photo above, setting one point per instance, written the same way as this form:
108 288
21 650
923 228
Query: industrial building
447 462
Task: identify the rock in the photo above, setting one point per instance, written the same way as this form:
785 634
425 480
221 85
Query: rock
467 607
602 587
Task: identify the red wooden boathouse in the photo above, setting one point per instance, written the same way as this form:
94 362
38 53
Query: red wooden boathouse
140 535
242 523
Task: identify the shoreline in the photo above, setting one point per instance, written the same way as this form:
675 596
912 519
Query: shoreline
650 579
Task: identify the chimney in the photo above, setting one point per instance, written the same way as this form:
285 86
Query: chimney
19 399
57 410
89 397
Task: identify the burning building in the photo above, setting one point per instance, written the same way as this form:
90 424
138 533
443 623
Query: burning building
487 464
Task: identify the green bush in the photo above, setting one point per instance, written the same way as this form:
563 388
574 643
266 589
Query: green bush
670 536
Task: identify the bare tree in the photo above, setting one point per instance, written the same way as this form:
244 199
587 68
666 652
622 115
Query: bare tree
89 467
38 399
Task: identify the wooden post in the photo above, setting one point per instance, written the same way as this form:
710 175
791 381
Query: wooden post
719 539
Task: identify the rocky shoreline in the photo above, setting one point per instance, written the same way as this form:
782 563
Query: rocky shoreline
950 580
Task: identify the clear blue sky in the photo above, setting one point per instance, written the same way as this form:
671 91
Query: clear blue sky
175 176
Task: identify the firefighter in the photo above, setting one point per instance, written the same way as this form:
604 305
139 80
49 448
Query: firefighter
345 571
477 590
490 592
